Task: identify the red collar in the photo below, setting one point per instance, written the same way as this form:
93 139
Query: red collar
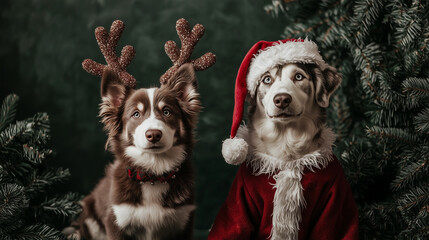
139 175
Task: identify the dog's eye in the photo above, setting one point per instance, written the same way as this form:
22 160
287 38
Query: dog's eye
136 114
166 112
267 80
299 77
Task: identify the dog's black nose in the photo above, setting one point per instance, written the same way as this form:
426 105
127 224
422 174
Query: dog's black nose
153 135
282 100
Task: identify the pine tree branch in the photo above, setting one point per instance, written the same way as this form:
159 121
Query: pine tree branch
367 57
12 202
8 110
26 179
330 4
410 173
340 113
408 24
18 130
33 130
399 135
390 118
41 124
416 87
417 197
338 22
11 226
36 232
383 217
62 206
366 13
18 170
299 30
275 7
391 99
422 121
45 180
357 161
35 155
425 38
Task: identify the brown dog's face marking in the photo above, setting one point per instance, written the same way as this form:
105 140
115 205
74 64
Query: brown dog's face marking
284 92
151 126
151 119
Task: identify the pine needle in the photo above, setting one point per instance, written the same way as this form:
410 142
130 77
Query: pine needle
397 135
8 110
416 87
422 121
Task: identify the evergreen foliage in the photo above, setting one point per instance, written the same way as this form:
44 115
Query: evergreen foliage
30 207
381 113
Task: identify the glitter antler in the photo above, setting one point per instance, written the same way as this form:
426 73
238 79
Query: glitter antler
107 43
188 40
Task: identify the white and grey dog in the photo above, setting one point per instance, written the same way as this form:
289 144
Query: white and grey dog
286 149
287 113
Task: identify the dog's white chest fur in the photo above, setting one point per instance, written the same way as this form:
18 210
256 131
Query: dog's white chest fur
150 214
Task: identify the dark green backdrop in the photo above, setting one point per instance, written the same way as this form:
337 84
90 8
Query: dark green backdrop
44 42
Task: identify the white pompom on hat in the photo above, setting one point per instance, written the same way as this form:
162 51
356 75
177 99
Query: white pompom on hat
263 56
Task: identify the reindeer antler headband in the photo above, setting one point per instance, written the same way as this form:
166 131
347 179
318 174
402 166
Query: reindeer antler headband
188 38
108 41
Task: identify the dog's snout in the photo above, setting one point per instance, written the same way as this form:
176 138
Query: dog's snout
282 100
153 135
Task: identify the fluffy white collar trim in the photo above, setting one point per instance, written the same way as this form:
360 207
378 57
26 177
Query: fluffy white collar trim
289 197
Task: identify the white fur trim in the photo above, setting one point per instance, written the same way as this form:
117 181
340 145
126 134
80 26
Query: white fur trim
281 53
234 150
288 201
289 196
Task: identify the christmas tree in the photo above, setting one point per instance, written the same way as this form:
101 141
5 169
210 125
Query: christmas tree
381 112
30 207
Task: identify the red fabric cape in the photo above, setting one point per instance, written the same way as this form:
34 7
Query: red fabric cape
330 211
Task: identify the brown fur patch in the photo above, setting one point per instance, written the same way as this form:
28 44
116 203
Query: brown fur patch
184 84
113 95
138 97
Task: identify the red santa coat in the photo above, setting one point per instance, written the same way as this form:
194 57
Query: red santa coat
329 211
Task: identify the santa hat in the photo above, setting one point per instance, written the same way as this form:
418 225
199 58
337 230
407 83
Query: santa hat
263 56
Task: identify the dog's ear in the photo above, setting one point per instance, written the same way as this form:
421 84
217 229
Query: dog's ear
112 89
184 84
113 93
327 81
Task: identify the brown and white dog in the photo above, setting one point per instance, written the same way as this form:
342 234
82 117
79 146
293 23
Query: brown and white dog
148 191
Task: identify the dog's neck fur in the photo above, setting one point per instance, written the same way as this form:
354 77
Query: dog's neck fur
288 141
157 163
283 150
